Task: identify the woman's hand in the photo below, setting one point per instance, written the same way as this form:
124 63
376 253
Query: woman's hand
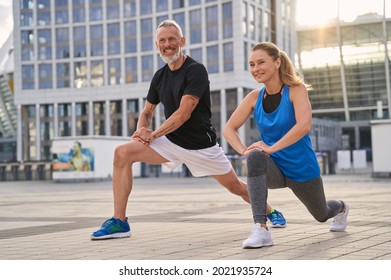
260 145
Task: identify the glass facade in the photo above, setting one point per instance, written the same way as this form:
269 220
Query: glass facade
360 51
348 66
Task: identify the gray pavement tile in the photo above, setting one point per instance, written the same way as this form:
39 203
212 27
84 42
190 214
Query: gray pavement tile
187 219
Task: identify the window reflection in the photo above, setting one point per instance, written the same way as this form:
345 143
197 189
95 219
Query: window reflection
97 73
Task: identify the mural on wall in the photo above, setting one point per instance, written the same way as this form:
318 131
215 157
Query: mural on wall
78 159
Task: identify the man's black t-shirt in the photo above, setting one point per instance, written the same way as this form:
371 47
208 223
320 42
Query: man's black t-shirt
168 87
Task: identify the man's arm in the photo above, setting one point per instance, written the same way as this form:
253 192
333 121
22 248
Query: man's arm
178 118
143 130
146 115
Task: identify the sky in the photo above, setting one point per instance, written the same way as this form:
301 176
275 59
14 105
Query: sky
6 22
316 12
309 12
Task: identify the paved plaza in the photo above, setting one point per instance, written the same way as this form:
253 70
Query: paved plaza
176 218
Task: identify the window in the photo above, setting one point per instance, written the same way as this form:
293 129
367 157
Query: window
177 4
26 4
113 42
145 7
196 54
96 37
61 11
147 68
46 130
44 44
244 19
228 57
213 59
211 23
114 69
116 118
131 70
99 118
45 76
195 26
79 11
62 42
96 10
27 40
80 74
97 78
160 19
147 34
113 9
79 41
133 112
130 29
63 80
129 8
27 76
161 5
30 131
82 118
180 19
227 20
64 119
43 12
26 18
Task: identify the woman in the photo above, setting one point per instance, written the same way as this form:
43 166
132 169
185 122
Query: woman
284 156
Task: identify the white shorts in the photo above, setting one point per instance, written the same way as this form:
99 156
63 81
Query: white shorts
204 162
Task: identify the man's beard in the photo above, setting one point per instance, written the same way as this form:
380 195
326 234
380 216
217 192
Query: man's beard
172 59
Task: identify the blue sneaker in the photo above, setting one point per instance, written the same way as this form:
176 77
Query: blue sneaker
276 218
112 228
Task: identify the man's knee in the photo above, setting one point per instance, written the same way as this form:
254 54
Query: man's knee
120 156
256 163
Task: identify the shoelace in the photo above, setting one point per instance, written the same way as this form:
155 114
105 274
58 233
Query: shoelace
108 223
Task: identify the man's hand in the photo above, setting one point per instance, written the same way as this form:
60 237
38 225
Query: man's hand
143 135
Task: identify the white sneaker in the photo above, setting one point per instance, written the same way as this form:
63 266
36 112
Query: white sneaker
340 221
259 237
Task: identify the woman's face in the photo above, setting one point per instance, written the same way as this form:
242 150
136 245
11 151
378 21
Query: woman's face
262 66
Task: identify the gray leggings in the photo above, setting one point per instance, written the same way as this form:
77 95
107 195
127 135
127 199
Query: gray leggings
264 174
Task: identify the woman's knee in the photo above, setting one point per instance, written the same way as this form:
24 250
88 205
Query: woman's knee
256 163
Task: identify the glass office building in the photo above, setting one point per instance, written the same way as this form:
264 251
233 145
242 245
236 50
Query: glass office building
348 65
83 67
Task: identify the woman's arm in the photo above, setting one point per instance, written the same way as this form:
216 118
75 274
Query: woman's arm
237 119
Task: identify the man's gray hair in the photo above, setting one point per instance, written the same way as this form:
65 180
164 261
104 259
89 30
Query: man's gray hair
168 23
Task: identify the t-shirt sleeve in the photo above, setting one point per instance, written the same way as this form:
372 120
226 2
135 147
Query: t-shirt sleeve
196 80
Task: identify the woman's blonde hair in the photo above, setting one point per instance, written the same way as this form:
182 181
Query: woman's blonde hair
287 72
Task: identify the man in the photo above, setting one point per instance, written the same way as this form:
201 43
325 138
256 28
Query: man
186 136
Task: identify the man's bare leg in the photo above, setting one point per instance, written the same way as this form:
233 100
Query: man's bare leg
124 157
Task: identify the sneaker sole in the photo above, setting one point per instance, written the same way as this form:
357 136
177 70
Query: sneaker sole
278 226
268 244
111 236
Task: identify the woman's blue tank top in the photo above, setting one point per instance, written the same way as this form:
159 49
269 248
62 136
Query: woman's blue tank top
297 162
